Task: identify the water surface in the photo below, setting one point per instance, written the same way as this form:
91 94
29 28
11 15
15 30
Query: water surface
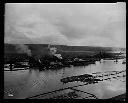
25 83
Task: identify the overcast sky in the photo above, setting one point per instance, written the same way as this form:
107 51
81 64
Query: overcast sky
68 24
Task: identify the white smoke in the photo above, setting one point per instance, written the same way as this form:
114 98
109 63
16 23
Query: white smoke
21 48
53 51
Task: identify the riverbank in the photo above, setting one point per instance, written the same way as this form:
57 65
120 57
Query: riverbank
53 65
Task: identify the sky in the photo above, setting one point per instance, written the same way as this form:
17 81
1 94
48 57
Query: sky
78 24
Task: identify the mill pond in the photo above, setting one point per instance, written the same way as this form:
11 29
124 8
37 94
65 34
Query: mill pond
46 84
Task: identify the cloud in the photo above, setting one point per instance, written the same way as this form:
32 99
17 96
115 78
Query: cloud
71 24
36 30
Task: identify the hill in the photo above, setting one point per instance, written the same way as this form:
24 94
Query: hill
38 50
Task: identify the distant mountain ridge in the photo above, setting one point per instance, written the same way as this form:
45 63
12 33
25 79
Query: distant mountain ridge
11 47
39 50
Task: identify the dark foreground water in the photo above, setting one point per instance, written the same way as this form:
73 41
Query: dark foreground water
24 83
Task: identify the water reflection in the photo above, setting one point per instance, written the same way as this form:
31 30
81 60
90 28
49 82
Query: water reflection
25 83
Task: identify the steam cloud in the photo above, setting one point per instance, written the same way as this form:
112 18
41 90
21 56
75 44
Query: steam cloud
21 48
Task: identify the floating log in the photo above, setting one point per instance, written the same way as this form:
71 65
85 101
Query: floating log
83 78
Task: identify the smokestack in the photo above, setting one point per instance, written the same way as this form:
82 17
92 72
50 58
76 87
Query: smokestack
22 48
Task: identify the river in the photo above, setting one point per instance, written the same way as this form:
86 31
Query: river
25 83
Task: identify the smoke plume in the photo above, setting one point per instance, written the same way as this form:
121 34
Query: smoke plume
21 48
